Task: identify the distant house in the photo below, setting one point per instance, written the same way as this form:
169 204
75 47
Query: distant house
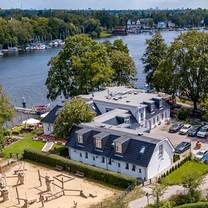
147 23
120 150
49 120
133 26
119 31
170 24
162 25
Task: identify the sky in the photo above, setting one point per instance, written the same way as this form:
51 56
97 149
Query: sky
102 4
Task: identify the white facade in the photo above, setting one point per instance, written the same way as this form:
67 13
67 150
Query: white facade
48 128
160 161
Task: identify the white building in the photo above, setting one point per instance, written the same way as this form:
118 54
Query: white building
148 109
120 150
133 26
49 120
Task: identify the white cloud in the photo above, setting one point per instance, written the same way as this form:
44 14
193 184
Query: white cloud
107 4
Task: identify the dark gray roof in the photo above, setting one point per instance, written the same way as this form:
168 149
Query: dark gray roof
132 154
51 117
157 110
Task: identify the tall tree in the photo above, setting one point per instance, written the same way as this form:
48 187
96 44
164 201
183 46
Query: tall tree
82 66
187 62
74 112
154 53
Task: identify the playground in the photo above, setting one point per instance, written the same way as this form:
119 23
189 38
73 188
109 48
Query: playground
27 185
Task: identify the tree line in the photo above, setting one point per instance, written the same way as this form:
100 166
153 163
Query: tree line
20 27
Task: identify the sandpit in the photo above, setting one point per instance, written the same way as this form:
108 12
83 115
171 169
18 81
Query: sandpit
78 192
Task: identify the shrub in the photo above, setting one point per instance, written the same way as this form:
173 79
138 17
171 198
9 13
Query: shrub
62 151
176 158
105 176
194 205
183 114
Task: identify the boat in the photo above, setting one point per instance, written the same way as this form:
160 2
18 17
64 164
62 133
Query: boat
1 53
36 46
12 49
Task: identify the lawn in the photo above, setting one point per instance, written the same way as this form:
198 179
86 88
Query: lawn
105 34
190 167
24 143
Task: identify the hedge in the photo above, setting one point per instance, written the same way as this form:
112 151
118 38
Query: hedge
91 172
194 205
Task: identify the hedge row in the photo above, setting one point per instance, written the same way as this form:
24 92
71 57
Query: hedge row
194 205
105 176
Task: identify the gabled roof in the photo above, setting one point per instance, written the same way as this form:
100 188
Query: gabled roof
51 117
132 154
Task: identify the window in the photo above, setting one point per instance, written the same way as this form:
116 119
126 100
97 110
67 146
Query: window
119 165
86 154
158 118
161 150
153 121
152 107
126 120
142 116
93 157
140 170
80 139
160 104
118 148
80 154
162 115
133 167
103 159
142 150
110 162
127 166
98 143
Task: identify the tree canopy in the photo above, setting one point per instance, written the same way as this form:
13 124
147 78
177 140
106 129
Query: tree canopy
74 112
154 53
85 65
185 68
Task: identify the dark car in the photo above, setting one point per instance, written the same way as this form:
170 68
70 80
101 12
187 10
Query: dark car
175 127
182 147
194 130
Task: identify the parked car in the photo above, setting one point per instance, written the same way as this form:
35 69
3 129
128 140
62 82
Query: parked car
175 127
182 147
203 132
192 132
184 129
200 155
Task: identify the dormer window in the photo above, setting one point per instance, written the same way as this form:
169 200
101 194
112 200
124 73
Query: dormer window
98 143
152 107
160 104
80 139
126 120
118 148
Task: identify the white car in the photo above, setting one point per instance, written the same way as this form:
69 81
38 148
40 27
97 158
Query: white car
203 131
184 129
199 155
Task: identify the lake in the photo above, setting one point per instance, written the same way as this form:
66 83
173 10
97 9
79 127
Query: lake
24 75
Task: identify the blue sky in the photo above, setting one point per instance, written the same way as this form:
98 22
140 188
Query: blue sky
100 4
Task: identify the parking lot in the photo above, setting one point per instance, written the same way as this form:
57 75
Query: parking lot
176 138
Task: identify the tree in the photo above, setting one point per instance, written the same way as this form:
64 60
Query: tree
124 70
157 191
83 66
74 112
191 183
92 27
187 66
154 54
123 67
6 113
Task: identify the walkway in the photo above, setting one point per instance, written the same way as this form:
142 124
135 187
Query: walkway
142 202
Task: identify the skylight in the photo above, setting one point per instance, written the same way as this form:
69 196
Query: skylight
142 150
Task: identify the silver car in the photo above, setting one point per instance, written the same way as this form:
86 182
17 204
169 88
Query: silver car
202 133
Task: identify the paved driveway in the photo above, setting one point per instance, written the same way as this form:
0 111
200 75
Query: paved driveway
176 138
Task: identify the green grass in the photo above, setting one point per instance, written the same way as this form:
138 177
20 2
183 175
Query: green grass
105 34
190 167
24 143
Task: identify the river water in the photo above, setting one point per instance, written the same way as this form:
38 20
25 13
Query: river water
24 75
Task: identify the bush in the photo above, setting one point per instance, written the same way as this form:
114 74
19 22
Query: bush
176 158
105 176
194 205
62 151
183 114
